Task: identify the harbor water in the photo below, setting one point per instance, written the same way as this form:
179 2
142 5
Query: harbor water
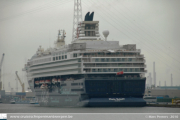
29 108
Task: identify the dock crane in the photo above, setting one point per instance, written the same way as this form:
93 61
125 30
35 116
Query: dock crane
0 70
22 84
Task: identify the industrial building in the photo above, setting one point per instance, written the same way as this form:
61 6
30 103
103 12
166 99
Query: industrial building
168 91
19 97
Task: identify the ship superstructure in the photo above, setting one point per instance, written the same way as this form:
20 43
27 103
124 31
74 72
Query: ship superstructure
83 73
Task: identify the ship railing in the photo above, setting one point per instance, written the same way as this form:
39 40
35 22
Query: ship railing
116 61
115 65
112 78
100 70
138 50
113 55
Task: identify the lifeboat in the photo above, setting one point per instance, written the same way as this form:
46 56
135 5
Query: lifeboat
44 86
54 80
37 82
41 82
59 80
48 81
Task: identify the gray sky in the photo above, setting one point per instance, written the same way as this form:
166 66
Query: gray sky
153 25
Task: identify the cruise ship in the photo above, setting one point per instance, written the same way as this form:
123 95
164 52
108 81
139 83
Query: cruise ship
91 71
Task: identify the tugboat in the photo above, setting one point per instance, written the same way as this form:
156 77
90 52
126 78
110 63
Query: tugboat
34 101
12 101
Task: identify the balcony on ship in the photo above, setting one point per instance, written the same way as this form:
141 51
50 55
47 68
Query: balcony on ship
107 54
132 60
115 70
137 56
117 65
111 76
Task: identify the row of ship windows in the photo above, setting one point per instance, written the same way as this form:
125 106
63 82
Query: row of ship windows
108 59
74 84
102 83
89 33
75 55
88 26
42 60
77 89
114 59
110 77
115 65
115 84
117 70
60 57
117 53
60 53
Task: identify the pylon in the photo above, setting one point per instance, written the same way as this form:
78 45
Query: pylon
77 16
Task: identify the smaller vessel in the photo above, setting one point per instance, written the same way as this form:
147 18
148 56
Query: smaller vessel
44 86
12 101
33 101
59 80
150 99
48 81
37 82
54 80
41 82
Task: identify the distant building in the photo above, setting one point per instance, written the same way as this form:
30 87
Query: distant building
2 93
168 87
171 91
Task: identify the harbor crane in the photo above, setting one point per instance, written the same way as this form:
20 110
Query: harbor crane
0 70
22 84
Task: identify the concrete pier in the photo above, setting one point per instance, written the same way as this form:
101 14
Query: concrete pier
164 105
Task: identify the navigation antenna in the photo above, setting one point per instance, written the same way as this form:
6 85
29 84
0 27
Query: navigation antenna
77 16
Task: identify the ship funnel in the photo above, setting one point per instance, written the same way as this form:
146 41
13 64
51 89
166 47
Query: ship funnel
106 33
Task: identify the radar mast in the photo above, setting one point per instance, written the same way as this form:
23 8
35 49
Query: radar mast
61 38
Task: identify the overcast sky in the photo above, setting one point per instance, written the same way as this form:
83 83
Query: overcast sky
153 25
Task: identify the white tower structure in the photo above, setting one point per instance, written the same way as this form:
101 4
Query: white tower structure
9 86
16 85
12 90
106 33
164 83
150 79
61 39
159 83
1 62
171 80
147 81
154 74
77 16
